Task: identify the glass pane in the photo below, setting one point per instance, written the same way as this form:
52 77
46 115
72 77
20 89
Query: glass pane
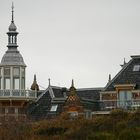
136 68
16 83
54 108
7 72
7 83
0 83
125 98
23 83
129 95
0 72
16 72
23 72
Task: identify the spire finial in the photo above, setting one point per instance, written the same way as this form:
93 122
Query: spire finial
34 77
49 81
72 84
12 12
124 61
109 79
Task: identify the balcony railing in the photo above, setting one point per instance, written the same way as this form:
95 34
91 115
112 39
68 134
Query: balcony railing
18 94
126 104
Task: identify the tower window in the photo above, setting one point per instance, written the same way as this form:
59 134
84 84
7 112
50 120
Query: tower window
136 68
6 71
16 72
0 72
7 83
16 83
0 83
23 72
23 83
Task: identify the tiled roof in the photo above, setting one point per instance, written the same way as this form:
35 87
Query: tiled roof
126 75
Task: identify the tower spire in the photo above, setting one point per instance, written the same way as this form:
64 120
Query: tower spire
12 33
72 83
12 12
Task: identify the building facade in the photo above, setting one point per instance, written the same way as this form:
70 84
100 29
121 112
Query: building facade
123 91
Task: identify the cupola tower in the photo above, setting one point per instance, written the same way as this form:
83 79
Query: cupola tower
12 66
13 96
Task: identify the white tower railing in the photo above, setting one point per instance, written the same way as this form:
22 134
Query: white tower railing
18 94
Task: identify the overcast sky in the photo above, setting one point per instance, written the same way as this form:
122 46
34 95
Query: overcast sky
81 39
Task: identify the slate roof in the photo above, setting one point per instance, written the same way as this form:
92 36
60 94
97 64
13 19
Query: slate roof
57 96
90 98
89 93
41 108
126 75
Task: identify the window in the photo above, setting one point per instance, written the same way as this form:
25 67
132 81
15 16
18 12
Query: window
6 71
16 83
23 72
54 108
7 83
16 72
23 83
0 83
136 68
125 99
0 72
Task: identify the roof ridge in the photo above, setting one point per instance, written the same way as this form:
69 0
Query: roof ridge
42 94
96 88
56 87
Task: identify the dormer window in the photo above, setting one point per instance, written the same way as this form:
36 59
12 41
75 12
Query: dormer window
136 68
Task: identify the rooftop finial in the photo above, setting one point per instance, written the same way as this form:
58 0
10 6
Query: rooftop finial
124 61
109 79
72 84
49 81
12 12
34 77
34 86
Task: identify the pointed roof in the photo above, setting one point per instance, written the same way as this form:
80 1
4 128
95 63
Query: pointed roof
12 26
72 97
34 86
129 74
12 55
